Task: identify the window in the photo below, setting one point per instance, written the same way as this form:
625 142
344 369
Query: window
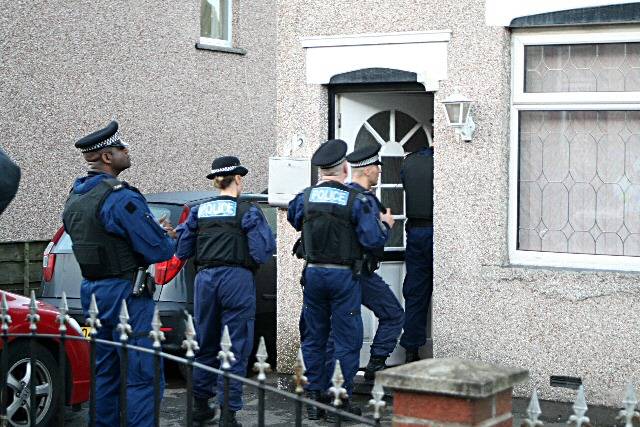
398 133
215 22
575 144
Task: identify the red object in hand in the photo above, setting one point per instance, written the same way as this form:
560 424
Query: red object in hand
165 271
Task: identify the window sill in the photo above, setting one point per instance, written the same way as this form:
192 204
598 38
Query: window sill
215 48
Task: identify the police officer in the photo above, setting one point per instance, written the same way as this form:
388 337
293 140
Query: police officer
376 294
417 180
114 234
229 239
337 224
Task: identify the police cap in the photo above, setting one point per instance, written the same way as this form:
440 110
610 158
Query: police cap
227 165
330 154
103 138
365 156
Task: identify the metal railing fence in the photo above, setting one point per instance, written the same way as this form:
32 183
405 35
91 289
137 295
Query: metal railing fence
27 396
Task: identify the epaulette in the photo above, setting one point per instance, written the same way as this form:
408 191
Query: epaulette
116 184
362 197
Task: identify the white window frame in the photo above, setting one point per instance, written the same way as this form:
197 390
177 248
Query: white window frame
521 101
208 41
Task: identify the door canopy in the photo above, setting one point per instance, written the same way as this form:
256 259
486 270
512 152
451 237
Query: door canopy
422 53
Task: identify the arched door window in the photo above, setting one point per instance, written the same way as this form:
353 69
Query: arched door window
398 134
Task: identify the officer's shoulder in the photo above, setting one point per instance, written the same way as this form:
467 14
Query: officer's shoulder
412 154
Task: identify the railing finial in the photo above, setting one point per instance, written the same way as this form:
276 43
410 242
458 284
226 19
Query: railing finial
298 373
63 317
377 402
226 355
33 315
261 366
6 317
189 343
337 390
629 413
93 320
156 333
533 411
579 409
124 327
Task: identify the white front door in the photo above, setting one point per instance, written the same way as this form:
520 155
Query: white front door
401 123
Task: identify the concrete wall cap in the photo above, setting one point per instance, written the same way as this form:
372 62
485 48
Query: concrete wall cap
456 377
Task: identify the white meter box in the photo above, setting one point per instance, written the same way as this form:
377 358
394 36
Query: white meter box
287 177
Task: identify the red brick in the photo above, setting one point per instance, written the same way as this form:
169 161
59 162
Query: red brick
437 407
504 401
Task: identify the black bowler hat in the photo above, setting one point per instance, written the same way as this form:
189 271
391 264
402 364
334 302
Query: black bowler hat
227 165
103 138
365 156
330 154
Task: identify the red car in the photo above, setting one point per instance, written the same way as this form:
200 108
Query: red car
47 351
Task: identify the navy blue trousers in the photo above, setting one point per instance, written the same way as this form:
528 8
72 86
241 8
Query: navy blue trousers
140 374
332 299
417 287
223 296
378 297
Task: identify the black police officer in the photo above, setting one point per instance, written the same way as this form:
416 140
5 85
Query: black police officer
114 234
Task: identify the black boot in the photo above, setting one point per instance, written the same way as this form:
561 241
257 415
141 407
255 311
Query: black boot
412 356
313 412
203 411
346 406
376 363
232 419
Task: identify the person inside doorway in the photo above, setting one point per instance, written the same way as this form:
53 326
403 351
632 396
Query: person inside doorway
417 180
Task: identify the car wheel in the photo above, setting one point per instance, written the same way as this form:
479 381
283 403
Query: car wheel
18 398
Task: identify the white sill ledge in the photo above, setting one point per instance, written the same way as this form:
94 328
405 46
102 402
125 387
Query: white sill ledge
217 48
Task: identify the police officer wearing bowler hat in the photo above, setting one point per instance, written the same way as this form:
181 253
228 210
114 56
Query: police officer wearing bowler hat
417 180
114 234
338 223
229 239
376 294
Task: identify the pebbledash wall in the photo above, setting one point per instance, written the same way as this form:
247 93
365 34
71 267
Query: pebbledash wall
67 68
551 321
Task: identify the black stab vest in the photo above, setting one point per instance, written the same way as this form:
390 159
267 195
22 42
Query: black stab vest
328 234
99 253
417 180
221 240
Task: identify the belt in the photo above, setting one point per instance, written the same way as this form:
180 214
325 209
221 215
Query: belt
336 266
419 222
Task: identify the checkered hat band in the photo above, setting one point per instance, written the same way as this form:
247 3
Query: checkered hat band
365 162
106 143
334 164
225 169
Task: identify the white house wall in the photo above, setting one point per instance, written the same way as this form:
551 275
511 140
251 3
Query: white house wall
551 321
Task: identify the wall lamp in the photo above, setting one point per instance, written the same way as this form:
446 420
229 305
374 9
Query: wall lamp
458 107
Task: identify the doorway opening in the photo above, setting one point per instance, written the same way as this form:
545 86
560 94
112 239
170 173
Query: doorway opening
399 118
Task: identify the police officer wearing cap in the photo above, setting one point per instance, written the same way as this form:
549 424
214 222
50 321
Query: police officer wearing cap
417 180
229 238
338 224
376 294
114 234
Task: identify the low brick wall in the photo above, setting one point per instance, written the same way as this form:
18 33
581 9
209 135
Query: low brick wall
451 393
